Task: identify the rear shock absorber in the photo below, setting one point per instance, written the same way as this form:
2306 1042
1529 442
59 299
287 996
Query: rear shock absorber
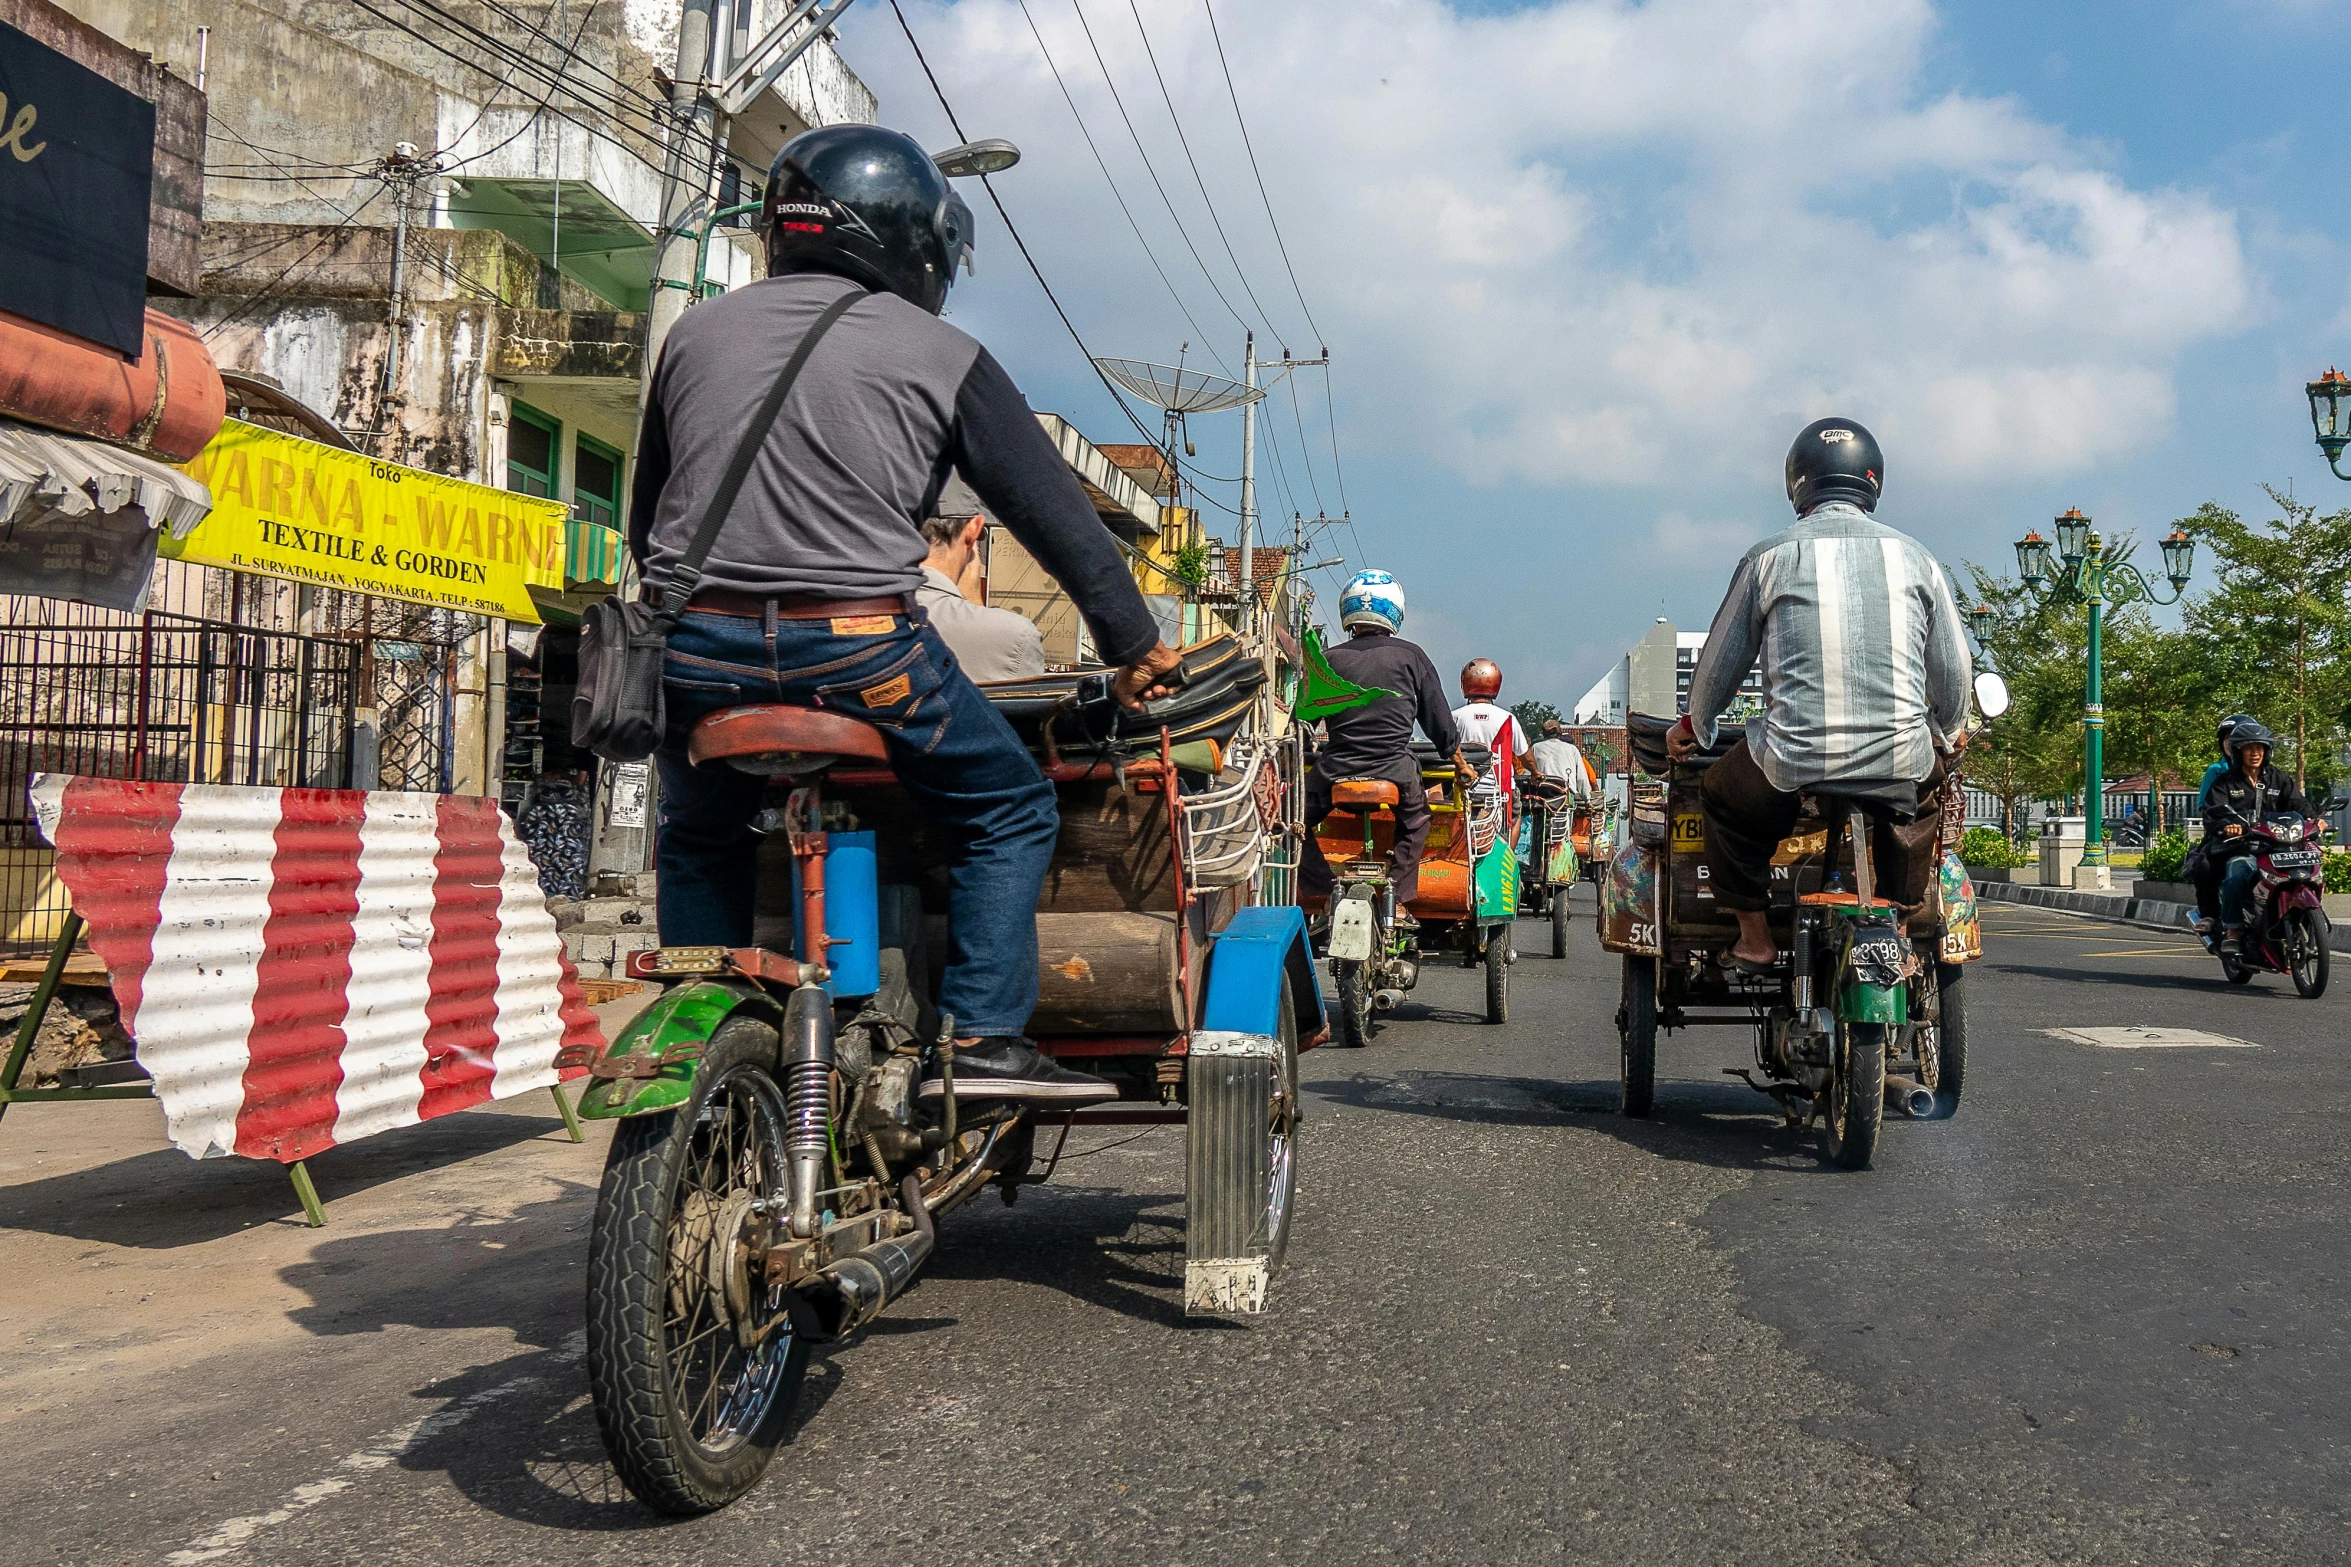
808 1100
1800 970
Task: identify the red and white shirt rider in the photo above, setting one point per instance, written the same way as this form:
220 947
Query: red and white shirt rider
1497 729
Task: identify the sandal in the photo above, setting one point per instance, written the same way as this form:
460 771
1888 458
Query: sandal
1751 967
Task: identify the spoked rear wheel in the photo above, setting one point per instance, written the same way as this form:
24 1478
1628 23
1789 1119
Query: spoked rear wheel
692 1365
2305 941
1938 1005
1857 1096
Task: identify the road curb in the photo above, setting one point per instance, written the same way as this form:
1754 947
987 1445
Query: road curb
2149 913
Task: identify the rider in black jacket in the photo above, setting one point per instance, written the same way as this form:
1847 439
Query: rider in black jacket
2244 795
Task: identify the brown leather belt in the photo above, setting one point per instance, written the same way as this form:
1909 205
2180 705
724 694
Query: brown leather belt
793 606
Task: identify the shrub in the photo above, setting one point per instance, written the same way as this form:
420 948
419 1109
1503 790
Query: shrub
2335 866
1988 849
2165 856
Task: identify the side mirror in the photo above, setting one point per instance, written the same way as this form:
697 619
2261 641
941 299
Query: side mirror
1991 694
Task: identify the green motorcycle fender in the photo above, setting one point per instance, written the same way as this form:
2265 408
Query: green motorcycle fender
1860 1003
662 1048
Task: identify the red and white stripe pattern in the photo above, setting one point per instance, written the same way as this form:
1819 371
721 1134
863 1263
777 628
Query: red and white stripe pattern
304 967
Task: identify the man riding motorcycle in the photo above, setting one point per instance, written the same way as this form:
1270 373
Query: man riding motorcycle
1482 721
1865 679
1375 741
2202 868
807 596
1561 760
2243 796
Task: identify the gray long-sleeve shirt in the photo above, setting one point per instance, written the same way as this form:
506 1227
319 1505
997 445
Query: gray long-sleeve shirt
1865 667
890 403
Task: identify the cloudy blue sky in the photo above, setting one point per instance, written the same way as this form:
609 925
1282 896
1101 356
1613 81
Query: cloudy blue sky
1584 267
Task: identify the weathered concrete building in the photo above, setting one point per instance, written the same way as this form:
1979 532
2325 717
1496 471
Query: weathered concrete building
435 225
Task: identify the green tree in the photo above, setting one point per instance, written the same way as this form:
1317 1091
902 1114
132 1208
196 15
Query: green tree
2275 631
1532 715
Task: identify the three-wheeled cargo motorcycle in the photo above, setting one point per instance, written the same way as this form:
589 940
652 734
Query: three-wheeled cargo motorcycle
777 1176
1467 900
1857 1013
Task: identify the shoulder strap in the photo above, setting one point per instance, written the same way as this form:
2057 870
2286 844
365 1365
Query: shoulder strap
687 574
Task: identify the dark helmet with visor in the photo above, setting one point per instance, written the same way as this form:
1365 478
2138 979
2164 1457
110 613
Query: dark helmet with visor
869 204
2249 731
1835 460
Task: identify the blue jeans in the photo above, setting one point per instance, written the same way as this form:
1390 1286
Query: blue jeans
953 752
2236 889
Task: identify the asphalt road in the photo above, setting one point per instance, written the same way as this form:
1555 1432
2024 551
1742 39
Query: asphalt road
2096 1317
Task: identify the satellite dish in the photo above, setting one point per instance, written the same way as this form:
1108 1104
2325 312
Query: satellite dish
1178 390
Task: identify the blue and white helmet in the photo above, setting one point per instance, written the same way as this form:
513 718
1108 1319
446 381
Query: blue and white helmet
1373 598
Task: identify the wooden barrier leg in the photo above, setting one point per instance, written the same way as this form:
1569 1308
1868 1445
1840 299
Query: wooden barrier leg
30 1029
571 1117
312 1209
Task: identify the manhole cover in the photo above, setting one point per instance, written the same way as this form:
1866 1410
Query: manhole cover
2137 1038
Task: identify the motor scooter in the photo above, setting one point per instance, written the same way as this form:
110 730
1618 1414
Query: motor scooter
2286 924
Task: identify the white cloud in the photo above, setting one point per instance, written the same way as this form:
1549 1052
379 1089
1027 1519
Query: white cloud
1599 242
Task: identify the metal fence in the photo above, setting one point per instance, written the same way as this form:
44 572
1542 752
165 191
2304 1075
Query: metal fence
230 680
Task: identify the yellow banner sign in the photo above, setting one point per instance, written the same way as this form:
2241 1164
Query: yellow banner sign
286 507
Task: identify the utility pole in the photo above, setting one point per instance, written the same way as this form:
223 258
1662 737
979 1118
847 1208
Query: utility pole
1250 365
716 77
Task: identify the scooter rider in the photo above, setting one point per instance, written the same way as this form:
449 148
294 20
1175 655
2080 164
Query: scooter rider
1865 679
1483 721
1560 759
808 596
1375 740
2202 868
2249 791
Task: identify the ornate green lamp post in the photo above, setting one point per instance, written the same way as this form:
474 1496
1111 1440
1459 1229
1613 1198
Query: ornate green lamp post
2082 555
2330 415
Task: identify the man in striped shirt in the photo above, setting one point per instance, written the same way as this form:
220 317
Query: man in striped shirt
1865 680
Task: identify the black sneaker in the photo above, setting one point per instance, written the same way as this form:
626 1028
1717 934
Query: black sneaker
1007 1066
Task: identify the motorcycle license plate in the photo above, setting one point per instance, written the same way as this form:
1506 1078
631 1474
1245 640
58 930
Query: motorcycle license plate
1351 931
2289 858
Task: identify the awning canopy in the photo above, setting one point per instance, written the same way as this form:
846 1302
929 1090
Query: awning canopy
41 471
80 519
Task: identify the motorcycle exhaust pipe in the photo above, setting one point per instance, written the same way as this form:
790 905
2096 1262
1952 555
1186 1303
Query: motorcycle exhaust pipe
1910 1096
1386 1000
851 1291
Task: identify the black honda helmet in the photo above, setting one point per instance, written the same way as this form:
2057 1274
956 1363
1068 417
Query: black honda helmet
1835 460
869 204
2249 731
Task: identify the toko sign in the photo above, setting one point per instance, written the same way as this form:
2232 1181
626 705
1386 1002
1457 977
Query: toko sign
286 507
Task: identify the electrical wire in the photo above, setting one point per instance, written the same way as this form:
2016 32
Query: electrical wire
1134 136
1264 316
571 58
1116 194
271 288
1305 455
998 202
1251 148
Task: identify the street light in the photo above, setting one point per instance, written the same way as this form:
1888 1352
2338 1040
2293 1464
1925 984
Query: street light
2101 582
2330 415
1983 620
2032 559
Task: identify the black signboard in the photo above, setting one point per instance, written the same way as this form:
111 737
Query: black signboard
77 154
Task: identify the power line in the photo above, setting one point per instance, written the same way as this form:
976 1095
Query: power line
1148 168
271 288
1305 455
1116 194
1331 408
998 202
1251 149
1264 316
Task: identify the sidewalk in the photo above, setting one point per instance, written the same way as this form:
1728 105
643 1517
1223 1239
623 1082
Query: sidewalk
2122 907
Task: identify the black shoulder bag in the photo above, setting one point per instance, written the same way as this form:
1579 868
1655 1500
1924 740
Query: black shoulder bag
617 711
